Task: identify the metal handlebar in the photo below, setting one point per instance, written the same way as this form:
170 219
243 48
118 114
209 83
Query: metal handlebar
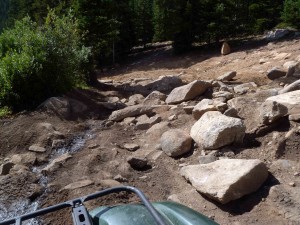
80 213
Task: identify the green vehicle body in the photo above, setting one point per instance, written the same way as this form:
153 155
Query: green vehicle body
146 213
136 214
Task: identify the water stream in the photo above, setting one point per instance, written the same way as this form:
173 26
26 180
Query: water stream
23 206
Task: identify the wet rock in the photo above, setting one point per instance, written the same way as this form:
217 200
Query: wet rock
214 130
227 76
227 179
202 107
25 158
78 184
176 143
225 49
36 148
55 164
275 73
6 167
138 162
58 143
131 147
130 111
187 92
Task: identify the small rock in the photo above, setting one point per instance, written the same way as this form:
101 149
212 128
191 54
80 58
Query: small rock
188 109
207 159
135 99
110 183
58 143
187 92
129 120
93 146
232 112
225 49
25 158
138 162
294 117
131 147
244 88
202 107
109 123
223 94
78 184
275 73
56 163
292 184
36 148
119 178
172 117
6 167
227 76
175 142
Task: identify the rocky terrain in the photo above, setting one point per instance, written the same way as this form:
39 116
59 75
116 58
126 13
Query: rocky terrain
218 133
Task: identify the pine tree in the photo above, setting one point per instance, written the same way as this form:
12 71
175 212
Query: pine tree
291 13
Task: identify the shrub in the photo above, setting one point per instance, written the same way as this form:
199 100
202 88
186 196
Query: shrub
37 62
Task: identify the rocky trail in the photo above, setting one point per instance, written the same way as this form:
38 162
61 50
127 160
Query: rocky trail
218 133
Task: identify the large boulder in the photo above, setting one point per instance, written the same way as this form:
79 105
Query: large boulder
227 179
176 142
214 130
163 84
66 108
281 105
187 92
130 111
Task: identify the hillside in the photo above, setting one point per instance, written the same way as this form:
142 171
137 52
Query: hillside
86 140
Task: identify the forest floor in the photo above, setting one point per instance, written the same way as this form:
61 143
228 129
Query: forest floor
100 156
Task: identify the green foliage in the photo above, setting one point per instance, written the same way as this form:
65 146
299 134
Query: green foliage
4 112
291 13
39 62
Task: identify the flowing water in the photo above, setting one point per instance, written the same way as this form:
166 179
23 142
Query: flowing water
23 206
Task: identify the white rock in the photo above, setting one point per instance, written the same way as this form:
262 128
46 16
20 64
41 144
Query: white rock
130 111
214 130
227 179
202 107
227 76
187 92
36 148
281 105
176 142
